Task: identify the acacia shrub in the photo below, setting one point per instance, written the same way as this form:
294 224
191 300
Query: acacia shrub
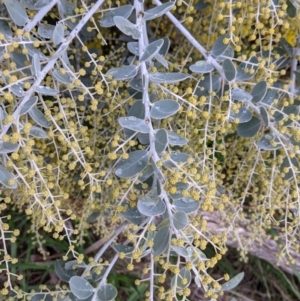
134 120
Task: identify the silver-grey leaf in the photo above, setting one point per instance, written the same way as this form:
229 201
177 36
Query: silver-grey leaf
168 77
58 34
158 11
63 78
5 29
161 240
28 105
180 220
39 117
8 147
123 73
161 140
36 65
151 50
264 143
164 108
46 91
175 139
108 19
232 283
127 27
229 70
134 124
5 177
132 166
17 90
243 115
46 30
151 204
80 287
201 67
38 133
107 292
17 12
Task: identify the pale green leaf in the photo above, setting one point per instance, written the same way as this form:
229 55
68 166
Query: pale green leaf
66 9
137 84
195 255
144 138
35 4
146 173
165 47
73 264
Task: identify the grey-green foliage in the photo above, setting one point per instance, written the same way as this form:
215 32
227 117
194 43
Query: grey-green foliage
164 149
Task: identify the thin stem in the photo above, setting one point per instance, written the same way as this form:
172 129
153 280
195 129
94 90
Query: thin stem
39 16
193 41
